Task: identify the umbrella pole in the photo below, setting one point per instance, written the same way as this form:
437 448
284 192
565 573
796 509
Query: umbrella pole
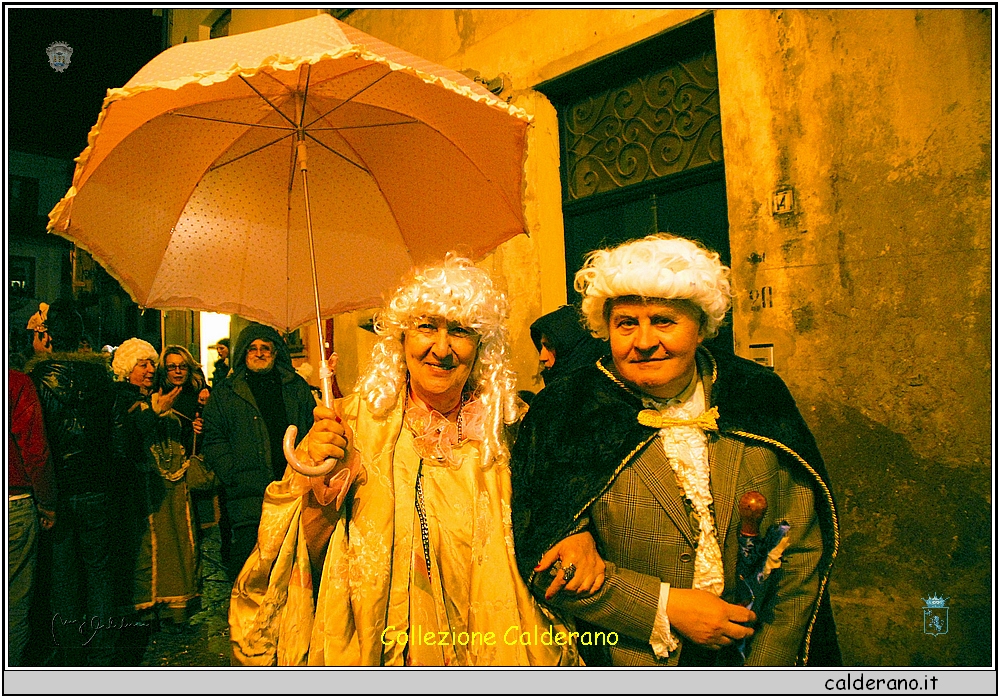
325 375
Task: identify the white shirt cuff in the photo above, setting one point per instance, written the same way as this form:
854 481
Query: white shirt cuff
662 642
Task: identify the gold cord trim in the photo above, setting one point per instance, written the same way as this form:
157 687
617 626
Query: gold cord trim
836 528
610 480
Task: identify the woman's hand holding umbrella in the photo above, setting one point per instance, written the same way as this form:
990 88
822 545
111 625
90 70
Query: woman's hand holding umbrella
328 437
335 464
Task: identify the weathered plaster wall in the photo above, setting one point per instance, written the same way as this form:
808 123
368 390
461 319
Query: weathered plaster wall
526 46
880 281
196 24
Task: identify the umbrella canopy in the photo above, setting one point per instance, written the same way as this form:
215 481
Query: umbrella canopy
189 191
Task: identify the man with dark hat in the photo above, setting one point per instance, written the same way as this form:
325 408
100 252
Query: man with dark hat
76 393
245 421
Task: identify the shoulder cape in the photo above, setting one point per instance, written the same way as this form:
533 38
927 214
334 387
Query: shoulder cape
581 431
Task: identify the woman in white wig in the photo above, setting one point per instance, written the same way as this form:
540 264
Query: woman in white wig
664 440
134 364
414 561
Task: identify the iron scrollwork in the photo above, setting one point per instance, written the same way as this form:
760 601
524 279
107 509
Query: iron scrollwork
660 124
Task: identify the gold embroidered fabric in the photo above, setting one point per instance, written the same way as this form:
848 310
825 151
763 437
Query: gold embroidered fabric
378 603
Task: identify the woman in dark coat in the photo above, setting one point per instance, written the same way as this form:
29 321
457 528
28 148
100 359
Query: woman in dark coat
134 366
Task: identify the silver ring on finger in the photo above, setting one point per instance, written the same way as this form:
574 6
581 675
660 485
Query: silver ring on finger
569 571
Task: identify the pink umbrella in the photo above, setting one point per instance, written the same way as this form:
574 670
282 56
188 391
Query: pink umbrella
214 176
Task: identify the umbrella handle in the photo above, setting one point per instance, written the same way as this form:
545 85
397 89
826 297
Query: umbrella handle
288 443
752 507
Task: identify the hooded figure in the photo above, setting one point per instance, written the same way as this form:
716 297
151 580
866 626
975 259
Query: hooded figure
561 338
244 422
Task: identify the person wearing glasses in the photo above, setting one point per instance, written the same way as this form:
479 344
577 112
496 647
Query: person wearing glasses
166 580
408 542
245 420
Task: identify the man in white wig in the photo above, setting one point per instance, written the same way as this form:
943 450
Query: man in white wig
650 450
410 543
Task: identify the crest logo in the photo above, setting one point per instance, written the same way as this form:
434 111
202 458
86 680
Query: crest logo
59 53
935 616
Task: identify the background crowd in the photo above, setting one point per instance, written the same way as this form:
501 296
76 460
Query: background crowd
106 455
620 509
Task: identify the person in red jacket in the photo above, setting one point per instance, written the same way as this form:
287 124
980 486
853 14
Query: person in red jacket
30 503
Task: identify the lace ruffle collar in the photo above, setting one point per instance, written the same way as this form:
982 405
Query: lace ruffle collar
435 437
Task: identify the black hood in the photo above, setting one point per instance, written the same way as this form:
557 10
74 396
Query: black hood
573 344
282 359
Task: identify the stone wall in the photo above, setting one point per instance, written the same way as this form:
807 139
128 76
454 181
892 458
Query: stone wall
877 293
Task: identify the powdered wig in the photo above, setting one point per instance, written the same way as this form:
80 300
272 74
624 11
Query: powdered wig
460 292
131 352
658 266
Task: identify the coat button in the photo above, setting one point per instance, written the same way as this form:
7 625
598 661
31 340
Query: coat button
686 557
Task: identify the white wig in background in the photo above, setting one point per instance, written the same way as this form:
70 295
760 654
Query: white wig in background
658 266
460 292
131 352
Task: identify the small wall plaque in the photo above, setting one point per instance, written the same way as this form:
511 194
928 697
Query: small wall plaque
783 202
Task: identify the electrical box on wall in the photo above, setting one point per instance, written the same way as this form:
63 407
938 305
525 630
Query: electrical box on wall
763 354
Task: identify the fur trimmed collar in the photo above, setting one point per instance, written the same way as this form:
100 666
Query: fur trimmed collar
90 357
580 432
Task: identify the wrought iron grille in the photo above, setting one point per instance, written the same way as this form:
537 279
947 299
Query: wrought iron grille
661 124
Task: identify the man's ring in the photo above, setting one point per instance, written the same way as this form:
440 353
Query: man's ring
569 571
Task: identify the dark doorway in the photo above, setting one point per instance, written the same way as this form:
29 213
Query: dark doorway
695 210
641 148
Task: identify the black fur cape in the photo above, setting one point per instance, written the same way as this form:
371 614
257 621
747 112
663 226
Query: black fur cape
581 429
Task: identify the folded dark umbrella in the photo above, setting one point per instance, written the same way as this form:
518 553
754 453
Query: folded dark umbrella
759 556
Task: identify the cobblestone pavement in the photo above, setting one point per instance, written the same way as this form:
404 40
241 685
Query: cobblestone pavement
204 641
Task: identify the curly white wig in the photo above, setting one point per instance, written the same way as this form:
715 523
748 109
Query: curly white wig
659 266
131 352
460 292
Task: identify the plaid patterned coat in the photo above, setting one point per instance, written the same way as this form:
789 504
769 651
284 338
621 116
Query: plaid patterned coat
582 460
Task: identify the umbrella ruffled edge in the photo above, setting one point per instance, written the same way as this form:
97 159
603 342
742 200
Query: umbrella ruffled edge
280 62
127 287
275 62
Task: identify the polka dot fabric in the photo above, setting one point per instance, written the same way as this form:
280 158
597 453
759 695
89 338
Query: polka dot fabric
189 192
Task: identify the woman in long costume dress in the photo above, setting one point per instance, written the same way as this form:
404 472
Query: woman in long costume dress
167 571
410 542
